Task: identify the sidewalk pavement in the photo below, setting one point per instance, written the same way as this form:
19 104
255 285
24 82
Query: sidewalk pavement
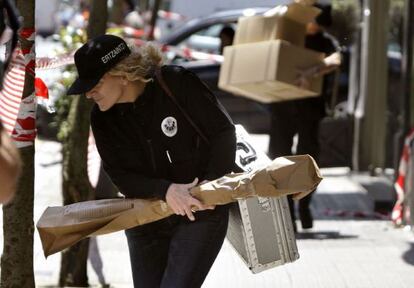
349 246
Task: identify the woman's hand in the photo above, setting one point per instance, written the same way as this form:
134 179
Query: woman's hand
328 65
302 81
304 76
178 197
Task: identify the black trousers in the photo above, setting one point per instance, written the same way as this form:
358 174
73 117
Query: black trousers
176 252
300 117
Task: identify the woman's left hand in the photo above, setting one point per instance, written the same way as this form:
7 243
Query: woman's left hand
178 197
302 81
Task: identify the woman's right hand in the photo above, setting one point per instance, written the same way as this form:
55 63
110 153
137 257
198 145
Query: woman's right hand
178 197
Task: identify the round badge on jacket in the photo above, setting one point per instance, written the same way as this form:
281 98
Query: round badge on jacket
169 126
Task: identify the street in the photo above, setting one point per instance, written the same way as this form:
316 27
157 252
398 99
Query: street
349 245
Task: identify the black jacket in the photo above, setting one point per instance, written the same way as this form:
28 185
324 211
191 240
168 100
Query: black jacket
143 159
325 43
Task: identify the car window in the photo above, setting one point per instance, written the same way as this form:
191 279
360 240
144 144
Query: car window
205 40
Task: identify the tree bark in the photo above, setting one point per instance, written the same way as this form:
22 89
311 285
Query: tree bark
76 186
18 227
143 5
17 258
97 19
117 12
154 17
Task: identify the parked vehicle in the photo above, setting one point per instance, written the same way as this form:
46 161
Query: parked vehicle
203 35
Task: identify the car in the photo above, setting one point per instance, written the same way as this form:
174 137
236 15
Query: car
202 34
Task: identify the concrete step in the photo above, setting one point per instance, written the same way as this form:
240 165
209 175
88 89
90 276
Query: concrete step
347 194
380 188
340 195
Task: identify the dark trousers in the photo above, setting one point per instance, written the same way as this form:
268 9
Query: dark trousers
300 117
175 252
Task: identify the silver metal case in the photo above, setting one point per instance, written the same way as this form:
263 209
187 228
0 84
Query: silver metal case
260 229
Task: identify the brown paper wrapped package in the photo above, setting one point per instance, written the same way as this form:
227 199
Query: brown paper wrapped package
61 227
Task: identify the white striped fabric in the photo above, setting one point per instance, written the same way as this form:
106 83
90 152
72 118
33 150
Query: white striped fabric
11 94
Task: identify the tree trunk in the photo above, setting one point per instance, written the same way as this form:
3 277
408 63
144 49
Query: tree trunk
18 227
97 19
143 5
17 258
76 186
154 17
117 12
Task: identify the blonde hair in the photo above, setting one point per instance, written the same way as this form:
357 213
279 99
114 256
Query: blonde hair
140 64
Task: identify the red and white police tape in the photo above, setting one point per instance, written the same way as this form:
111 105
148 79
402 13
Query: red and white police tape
401 211
55 62
24 132
17 111
11 94
171 15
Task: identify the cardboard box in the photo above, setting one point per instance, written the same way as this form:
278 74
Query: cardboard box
267 71
286 22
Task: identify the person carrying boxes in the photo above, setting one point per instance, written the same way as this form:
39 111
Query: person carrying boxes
304 115
280 58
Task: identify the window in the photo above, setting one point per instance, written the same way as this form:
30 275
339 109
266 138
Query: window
205 40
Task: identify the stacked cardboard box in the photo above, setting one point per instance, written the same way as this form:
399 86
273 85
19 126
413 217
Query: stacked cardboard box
267 54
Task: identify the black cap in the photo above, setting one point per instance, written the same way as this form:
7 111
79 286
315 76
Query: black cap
94 59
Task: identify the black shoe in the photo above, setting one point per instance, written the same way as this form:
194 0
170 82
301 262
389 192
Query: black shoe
306 218
295 228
